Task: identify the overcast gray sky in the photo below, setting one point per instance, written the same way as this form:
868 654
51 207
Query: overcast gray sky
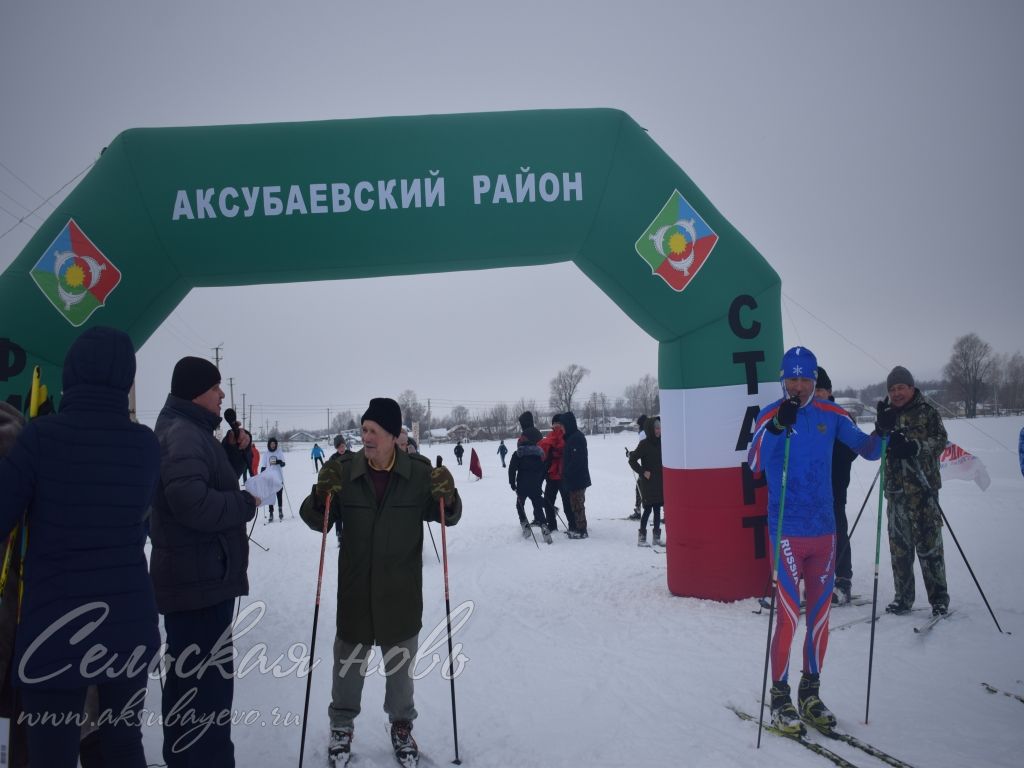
871 151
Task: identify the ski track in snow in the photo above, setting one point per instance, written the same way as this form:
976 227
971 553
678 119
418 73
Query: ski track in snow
577 654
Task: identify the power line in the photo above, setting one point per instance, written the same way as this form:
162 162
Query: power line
64 186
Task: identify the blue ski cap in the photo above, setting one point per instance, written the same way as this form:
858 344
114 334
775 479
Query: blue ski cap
799 363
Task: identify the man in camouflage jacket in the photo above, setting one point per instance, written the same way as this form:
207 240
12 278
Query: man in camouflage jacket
912 481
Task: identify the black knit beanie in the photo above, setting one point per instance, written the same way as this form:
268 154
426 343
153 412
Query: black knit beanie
192 376
385 412
641 420
899 375
823 382
525 420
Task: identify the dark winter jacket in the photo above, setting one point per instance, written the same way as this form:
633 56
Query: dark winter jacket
647 458
920 422
380 561
575 464
459 450
86 476
526 468
200 548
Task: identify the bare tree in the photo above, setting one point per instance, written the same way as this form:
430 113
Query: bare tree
498 419
521 406
1012 391
412 409
968 370
642 397
459 415
564 386
342 421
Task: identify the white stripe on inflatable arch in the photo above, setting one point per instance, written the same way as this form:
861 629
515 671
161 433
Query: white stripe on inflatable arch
700 427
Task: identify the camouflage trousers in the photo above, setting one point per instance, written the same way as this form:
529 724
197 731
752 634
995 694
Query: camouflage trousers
915 527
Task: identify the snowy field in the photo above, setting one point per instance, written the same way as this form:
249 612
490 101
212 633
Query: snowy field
575 654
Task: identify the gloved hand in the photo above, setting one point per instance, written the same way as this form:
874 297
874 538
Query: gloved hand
885 418
786 417
442 484
513 486
280 463
11 422
328 480
902 448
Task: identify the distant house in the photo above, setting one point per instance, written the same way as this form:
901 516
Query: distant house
459 432
300 436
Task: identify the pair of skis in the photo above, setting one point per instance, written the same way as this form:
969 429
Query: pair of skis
824 751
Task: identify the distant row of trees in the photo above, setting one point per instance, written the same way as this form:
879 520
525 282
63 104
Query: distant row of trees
975 380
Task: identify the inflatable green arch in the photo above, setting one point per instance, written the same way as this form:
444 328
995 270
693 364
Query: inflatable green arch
165 210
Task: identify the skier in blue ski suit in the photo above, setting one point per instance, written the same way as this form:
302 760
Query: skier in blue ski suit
807 544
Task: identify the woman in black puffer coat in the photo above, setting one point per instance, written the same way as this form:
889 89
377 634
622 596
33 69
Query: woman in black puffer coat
86 477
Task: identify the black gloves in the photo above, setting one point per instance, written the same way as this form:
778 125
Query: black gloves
902 448
786 417
513 486
885 418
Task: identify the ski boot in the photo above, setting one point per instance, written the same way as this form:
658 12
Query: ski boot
812 710
339 751
270 518
546 534
658 541
641 538
897 608
406 751
526 529
785 718
841 593
635 515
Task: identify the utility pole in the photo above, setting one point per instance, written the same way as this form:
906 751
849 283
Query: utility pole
231 386
216 354
243 408
328 419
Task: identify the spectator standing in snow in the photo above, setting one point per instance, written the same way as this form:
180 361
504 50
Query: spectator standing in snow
842 459
340 447
406 443
912 481
317 455
199 565
237 444
638 502
553 446
575 473
459 450
525 475
646 462
1020 450
86 477
272 460
502 452
797 434
380 496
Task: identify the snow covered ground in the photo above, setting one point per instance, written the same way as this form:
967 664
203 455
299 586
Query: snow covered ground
576 654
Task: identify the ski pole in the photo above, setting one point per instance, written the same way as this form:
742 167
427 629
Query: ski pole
316 617
775 587
289 500
238 600
448 618
866 497
934 497
874 593
431 531
253 541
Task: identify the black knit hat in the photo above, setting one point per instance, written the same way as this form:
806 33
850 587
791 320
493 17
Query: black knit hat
899 375
823 382
641 420
556 418
385 412
525 420
192 376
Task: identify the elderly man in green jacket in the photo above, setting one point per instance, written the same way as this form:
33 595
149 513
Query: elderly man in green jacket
379 497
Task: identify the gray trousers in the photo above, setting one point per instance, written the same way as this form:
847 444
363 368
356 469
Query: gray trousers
350 669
